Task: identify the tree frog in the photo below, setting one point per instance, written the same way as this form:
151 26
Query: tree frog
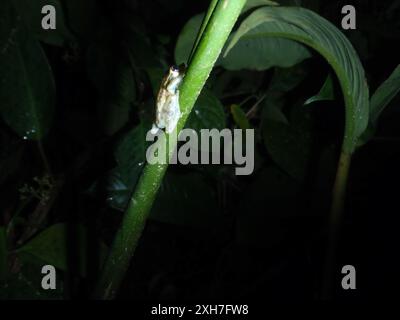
168 111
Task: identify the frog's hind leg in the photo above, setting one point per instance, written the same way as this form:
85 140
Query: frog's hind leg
154 129
158 125
174 114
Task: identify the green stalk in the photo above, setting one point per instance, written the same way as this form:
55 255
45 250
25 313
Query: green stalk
203 26
215 34
336 216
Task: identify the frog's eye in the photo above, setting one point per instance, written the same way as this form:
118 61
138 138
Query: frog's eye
174 70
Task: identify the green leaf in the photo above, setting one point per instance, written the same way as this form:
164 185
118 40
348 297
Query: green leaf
187 38
380 99
240 117
31 12
236 83
250 4
27 89
119 183
263 53
384 94
110 71
132 147
25 282
130 155
326 93
207 113
288 142
272 110
55 244
309 28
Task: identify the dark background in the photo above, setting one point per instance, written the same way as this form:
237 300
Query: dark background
212 235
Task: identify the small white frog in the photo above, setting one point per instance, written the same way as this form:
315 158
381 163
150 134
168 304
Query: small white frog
168 111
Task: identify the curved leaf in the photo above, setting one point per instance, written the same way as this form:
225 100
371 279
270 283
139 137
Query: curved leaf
384 94
379 100
264 53
250 4
307 27
240 118
27 89
52 245
259 54
326 93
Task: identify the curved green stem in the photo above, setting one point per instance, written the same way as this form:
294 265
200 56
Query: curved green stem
215 34
336 215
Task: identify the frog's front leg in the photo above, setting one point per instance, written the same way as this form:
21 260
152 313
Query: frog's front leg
173 86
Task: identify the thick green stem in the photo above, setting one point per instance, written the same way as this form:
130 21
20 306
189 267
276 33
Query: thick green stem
336 215
206 53
203 26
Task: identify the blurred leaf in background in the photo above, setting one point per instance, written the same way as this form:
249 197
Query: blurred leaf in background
27 89
54 245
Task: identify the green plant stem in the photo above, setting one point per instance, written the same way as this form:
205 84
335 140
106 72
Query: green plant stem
336 216
215 34
204 23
